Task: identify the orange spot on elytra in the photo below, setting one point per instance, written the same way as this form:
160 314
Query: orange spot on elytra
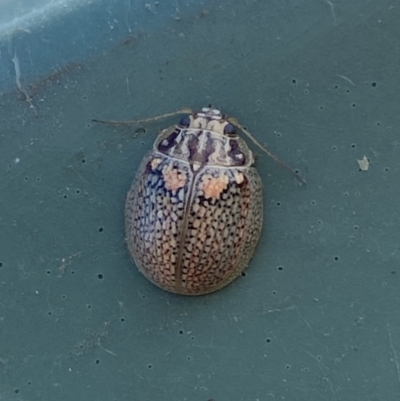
213 186
173 178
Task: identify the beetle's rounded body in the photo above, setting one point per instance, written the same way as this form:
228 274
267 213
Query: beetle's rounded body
194 212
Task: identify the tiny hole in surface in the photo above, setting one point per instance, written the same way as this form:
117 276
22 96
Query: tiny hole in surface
100 276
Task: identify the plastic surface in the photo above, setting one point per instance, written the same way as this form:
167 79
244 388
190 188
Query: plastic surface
316 315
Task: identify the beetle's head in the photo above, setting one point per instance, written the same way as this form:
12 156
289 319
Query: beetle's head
209 119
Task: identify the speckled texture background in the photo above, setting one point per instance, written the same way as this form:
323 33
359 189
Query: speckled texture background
316 317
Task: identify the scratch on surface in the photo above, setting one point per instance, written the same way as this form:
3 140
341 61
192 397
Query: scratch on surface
332 10
396 359
21 90
346 79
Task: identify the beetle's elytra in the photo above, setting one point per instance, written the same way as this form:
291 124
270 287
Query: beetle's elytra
194 212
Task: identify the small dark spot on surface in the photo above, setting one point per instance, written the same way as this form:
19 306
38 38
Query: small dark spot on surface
16 391
243 274
278 134
140 130
122 320
38 179
280 268
353 145
149 366
278 203
28 382
49 313
336 258
373 84
378 124
78 191
1 264
26 178
356 228
84 97
63 296
267 340
100 276
189 358
287 367
89 306
321 107
306 91
294 81
348 90
72 271
48 271
336 86
97 361
101 229
274 292
353 105
387 169
83 161
334 148
181 332
393 272
313 202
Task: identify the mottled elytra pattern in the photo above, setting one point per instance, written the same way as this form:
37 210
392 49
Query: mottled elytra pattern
194 212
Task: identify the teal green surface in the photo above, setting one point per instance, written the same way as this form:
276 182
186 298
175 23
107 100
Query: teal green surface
316 317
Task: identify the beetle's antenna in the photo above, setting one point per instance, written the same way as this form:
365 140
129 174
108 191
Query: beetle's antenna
144 120
271 155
